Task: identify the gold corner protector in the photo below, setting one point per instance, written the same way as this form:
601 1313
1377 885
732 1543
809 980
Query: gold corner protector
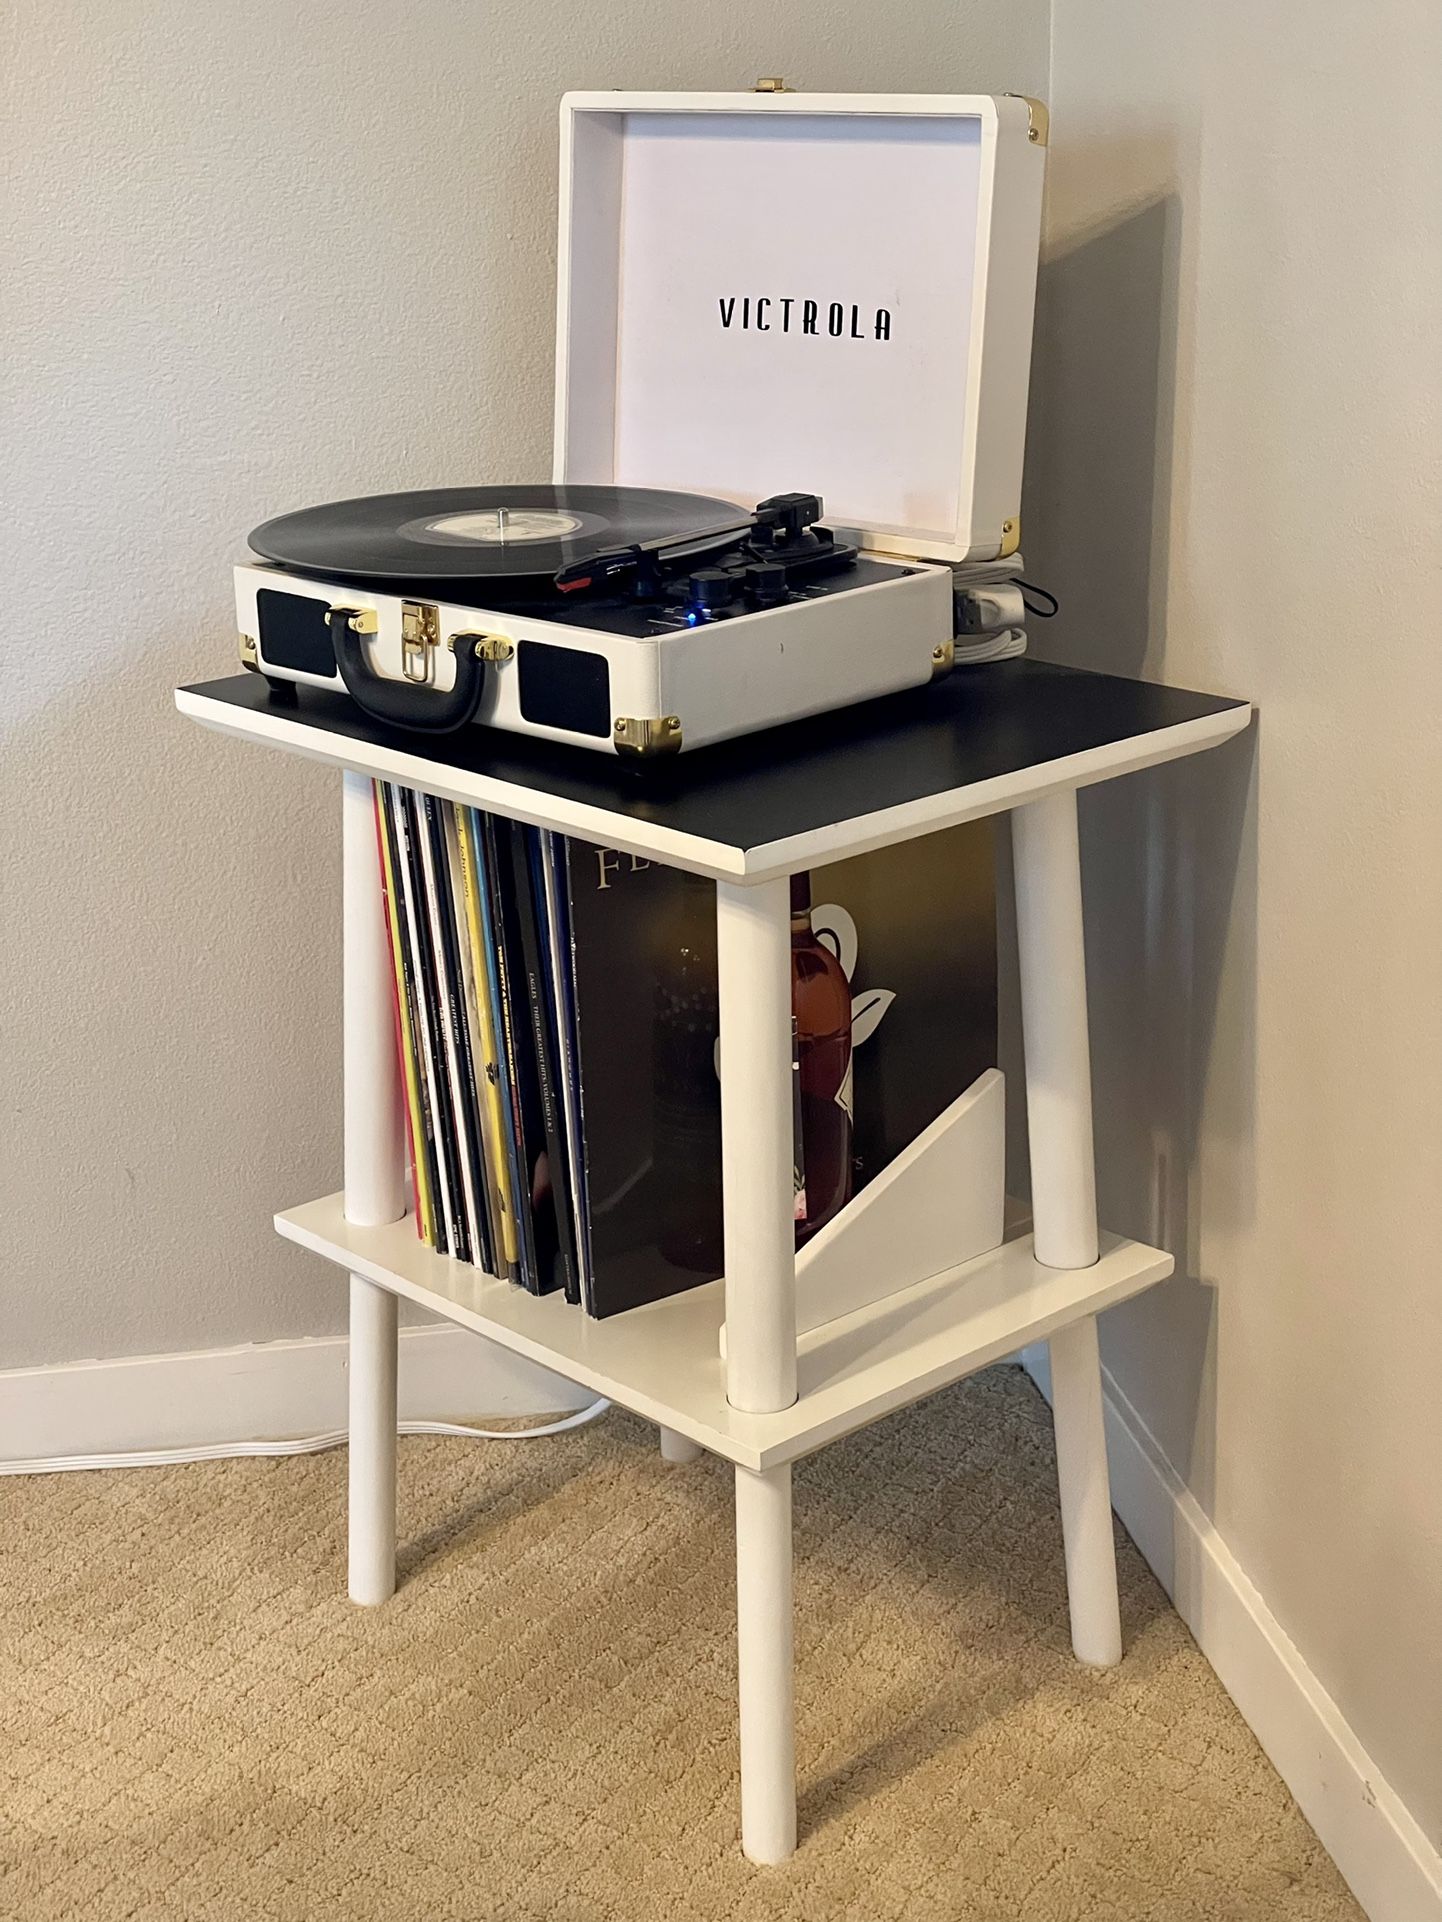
772 83
249 650
943 659
1038 118
647 738
1010 538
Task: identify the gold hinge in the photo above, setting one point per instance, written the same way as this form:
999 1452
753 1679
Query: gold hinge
943 659
772 83
1010 538
420 637
250 653
487 647
1038 117
648 737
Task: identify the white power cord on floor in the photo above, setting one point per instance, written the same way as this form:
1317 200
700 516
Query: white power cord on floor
303 1445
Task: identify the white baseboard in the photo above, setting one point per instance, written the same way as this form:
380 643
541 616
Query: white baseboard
1381 1850
270 1391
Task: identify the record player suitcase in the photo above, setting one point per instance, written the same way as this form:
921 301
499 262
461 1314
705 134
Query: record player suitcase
870 339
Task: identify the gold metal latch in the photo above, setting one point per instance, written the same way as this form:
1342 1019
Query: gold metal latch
250 653
420 637
649 737
487 647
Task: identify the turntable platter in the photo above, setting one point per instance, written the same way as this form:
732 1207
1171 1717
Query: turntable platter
504 539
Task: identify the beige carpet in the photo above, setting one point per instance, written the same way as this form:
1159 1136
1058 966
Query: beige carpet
539 1728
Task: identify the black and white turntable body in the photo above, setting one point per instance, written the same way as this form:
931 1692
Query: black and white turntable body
755 292
630 679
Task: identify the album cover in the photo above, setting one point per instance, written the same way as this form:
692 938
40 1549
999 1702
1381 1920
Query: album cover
447 1017
553 1187
405 815
402 1003
478 1060
501 1177
911 929
536 1212
561 973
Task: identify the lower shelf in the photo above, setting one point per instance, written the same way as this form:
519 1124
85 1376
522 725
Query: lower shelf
662 1361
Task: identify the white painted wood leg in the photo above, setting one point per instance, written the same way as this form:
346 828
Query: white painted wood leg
753 948
679 1448
371 1478
1086 1503
374 1193
753 961
1052 956
765 1664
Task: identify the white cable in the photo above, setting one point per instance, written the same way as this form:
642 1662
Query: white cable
1004 646
303 1445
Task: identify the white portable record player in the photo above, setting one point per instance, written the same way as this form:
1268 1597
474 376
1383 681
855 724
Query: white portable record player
754 290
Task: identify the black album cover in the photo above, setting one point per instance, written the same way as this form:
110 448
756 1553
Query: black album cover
912 930
511 900
553 1180
562 980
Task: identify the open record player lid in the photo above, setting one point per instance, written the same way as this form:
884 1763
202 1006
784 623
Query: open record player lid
762 291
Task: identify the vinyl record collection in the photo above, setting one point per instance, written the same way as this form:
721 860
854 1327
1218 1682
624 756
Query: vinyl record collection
509 944
488 990
556 1016
475 913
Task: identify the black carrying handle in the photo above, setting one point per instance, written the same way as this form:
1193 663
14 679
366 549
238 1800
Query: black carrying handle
399 703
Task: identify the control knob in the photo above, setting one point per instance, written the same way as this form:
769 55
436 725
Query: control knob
766 583
711 590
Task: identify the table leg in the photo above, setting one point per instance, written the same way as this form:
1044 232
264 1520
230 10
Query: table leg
1086 1503
753 943
374 1193
764 1663
371 1466
1052 958
679 1448
753 963
1053 968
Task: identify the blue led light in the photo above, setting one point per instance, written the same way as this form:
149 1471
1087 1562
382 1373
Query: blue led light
692 618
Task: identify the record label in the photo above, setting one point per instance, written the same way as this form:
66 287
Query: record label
499 526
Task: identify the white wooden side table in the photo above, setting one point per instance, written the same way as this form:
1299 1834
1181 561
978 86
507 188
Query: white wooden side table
1018 736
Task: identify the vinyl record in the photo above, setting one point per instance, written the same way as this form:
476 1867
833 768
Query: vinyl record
506 539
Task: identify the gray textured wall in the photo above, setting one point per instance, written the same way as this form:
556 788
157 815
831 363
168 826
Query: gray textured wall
1235 486
256 257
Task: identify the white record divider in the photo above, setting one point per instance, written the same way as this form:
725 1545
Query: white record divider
940 1203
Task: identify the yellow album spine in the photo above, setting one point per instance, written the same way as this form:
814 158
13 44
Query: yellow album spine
492 1119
